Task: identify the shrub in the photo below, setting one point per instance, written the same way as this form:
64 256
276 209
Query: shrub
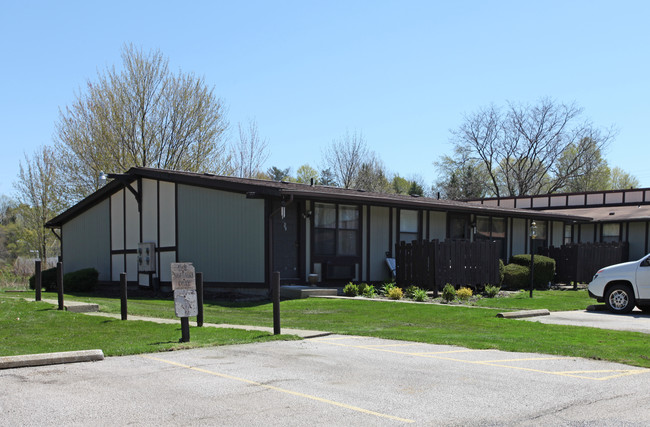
464 293
387 287
395 293
502 269
420 295
362 287
492 291
516 277
81 280
48 280
351 290
369 291
448 293
408 292
544 269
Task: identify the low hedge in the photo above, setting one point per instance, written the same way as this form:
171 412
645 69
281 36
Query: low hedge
544 268
515 277
83 280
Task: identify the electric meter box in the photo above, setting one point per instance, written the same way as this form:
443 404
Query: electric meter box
146 257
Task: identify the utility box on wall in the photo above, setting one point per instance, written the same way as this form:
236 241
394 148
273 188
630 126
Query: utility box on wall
146 257
146 263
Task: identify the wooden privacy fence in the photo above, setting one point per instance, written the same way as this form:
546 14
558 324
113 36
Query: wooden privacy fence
578 262
431 265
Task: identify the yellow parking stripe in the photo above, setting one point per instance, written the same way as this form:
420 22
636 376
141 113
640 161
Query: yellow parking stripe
282 390
498 363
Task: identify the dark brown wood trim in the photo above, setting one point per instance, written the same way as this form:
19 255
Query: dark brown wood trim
302 248
526 235
647 228
124 226
368 207
509 225
123 252
428 225
268 243
176 219
110 236
158 266
390 231
140 205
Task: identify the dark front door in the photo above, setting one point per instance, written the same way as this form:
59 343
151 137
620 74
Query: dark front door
286 241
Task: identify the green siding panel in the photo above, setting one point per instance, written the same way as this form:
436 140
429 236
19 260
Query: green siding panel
222 234
86 241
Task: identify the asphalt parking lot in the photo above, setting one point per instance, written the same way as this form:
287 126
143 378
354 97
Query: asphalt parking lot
636 321
331 380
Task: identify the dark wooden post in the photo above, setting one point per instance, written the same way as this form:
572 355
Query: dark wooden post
59 283
185 329
123 299
276 302
38 280
199 299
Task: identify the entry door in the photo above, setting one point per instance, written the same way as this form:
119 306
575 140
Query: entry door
286 241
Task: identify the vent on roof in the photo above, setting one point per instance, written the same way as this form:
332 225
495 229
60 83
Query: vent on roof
208 174
361 190
612 213
415 195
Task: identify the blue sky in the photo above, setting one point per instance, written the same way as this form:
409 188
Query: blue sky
402 72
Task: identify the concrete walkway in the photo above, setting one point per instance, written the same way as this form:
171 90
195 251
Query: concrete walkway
299 332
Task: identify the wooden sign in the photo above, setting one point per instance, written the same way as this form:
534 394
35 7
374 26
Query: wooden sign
183 276
185 303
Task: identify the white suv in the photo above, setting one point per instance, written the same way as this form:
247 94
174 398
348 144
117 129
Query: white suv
622 286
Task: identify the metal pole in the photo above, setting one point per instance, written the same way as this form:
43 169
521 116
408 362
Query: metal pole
276 302
38 279
123 299
199 299
59 283
532 268
185 329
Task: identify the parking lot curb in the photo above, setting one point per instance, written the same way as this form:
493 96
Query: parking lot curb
523 313
7 362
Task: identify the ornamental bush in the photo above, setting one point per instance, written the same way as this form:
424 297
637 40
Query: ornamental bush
464 293
544 269
420 295
48 280
351 290
492 291
516 277
448 293
395 293
387 287
369 291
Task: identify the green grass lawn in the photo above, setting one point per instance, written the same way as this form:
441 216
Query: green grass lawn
37 327
551 300
438 324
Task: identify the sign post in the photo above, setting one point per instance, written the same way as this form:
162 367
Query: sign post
185 298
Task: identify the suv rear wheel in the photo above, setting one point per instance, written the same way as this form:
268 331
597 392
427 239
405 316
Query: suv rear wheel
620 299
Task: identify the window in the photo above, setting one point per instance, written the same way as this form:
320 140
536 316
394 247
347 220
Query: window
409 226
492 229
611 232
336 230
457 226
568 234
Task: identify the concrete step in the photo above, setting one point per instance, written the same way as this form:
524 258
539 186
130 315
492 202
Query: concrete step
297 292
75 306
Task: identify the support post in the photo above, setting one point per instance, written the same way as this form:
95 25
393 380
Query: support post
276 302
123 299
532 271
199 299
38 280
185 329
59 283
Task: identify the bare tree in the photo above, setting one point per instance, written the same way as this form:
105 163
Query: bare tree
345 156
372 176
143 115
39 191
520 150
250 152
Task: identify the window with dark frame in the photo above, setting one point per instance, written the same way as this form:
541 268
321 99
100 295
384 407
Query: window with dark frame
336 230
409 225
611 232
494 229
